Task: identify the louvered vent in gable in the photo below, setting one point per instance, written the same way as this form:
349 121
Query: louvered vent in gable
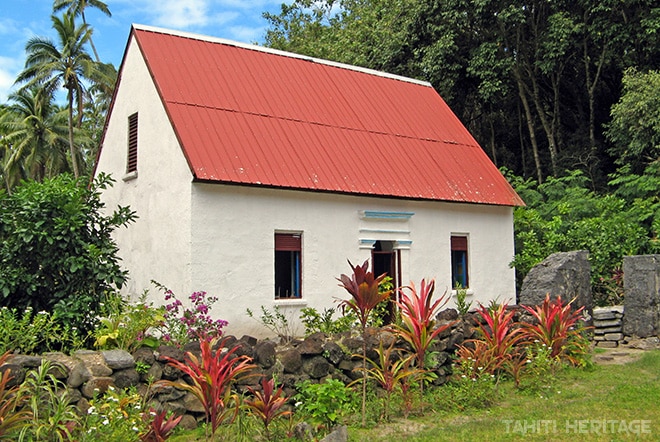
131 163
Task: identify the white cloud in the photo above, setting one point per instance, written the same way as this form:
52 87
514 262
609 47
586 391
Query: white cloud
182 13
246 34
6 82
8 72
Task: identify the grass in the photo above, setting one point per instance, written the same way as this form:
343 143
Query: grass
625 395
622 397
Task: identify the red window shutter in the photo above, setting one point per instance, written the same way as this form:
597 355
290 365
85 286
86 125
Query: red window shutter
287 242
459 243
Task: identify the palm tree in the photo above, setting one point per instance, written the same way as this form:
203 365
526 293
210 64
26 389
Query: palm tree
34 137
77 8
68 65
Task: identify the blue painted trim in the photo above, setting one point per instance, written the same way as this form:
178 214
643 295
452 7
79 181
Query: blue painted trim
376 214
404 232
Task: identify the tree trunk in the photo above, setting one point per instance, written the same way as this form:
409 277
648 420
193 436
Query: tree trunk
547 125
72 146
492 141
591 91
530 124
91 43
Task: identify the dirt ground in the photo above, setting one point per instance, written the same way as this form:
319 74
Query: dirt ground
627 352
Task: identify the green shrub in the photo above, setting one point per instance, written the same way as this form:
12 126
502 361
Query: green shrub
325 404
30 332
116 415
54 417
565 214
56 250
275 321
127 326
324 322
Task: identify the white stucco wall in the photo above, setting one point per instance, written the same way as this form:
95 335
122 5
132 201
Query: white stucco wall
157 245
233 231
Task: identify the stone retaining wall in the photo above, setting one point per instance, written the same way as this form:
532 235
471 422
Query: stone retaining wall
608 326
315 358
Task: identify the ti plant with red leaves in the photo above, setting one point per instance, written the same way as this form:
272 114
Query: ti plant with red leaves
211 378
160 428
555 326
267 404
477 359
363 286
499 336
11 417
418 312
391 371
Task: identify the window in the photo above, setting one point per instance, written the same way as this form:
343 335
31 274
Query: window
459 261
287 266
131 161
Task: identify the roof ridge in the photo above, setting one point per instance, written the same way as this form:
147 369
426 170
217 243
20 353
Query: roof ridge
265 49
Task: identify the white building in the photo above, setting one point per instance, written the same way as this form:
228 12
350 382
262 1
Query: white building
256 174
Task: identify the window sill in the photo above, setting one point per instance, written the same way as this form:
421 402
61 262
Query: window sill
130 176
288 302
468 292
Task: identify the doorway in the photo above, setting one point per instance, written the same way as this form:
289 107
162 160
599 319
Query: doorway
386 259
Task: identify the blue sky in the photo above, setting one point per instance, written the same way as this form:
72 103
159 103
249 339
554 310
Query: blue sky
239 20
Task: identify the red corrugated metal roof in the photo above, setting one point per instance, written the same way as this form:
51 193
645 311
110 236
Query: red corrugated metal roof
250 115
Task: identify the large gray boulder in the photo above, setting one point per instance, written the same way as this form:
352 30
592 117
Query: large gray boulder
565 274
641 282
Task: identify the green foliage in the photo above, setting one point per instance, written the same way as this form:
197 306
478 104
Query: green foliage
539 375
324 322
391 371
127 326
635 126
462 305
115 415
563 214
142 367
54 417
325 403
56 249
275 321
39 332
464 392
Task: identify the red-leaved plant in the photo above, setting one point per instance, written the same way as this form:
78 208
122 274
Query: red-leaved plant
554 326
418 312
267 404
161 427
495 348
391 371
211 378
11 418
363 285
